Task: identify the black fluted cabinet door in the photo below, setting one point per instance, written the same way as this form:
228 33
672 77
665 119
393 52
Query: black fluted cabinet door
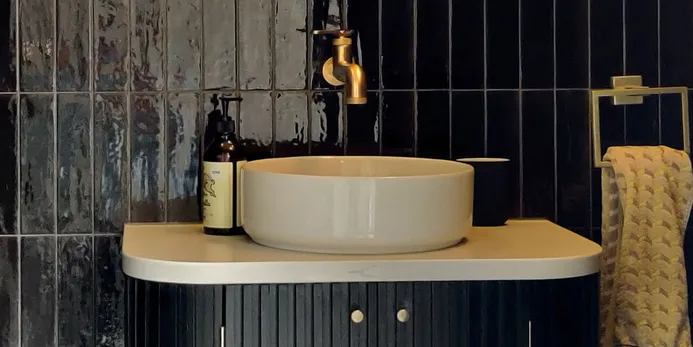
431 314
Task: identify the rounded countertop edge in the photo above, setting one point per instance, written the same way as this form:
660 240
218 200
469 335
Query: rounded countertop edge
200 273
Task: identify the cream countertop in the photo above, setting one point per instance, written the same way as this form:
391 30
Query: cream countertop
521 250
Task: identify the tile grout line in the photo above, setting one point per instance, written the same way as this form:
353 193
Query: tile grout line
450 69
128 109
163 146
345 105
18 168
381 96
56 163
60 236
590 179
519 107
625 66
201 119
415 44
659 69
485 24
237 67
309 73
273 13
92 120
178 91
555 117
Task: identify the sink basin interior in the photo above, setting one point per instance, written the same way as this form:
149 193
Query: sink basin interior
358 166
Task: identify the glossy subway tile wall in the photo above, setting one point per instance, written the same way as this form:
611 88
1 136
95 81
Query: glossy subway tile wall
102 103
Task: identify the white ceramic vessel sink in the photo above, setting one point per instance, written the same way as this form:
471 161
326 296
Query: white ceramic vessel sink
357 205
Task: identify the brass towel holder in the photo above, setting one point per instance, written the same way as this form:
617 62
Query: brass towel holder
628 90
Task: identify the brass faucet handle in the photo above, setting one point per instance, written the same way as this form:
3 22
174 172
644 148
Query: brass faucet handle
336 33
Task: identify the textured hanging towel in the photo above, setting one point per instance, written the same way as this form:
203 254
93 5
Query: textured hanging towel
646 201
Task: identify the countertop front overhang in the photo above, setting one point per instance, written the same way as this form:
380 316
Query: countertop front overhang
521 250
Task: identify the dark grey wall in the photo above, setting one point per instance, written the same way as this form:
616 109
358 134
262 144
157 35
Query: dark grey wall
100 115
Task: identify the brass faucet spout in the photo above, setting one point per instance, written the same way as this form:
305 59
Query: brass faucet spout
356 85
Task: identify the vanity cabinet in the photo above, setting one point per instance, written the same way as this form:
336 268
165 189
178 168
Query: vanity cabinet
379 314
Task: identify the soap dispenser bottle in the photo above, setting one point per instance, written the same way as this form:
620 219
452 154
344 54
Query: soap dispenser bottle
222 161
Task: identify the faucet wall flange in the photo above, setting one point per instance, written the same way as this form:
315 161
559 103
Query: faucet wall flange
328 73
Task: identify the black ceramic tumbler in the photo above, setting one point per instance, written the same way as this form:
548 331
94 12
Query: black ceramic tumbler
491 193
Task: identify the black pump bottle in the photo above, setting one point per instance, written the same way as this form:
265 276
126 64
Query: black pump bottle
222 161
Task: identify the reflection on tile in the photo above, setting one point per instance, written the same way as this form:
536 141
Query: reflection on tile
503 51
364 20
606 41
110 163
467 70
220 50
147 176
398 123
290 44
37 171
147 41
537 43
38 291
327 124
9 289
676 31
255 128
110 36
538 157
73 45
292 124
36 57
503 139
363 127
572 44
642 123
108 291
184 36
573 160
432 63
468 124
254 43
75 291
642 41
434 125
183 150
398 44
8 79
74 164
327 14
8 154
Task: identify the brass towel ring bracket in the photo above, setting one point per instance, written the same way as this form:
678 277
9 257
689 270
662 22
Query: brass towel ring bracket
628 90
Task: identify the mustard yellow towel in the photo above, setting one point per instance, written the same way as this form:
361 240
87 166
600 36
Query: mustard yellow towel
646 202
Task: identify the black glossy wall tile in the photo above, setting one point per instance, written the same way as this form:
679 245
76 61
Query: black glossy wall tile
398 44
110 66
72 29
183 127
573 162
38 294
37 170
642 41
642 123
671 125
502 44
538 154
74 164
8 50
8 154
363 127
147 171
111 163
291 124
255 126
75 291
433 47
398 123
606 39
537 26
433 123
364 19
572 44
108 292
147 44
467 67
676 32
9 292
327 124
503 139
468 125
36 24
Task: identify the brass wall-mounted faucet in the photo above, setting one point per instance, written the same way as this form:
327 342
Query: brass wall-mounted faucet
340 69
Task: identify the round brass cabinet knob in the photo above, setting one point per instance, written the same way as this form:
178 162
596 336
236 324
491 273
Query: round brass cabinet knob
357 316
402 315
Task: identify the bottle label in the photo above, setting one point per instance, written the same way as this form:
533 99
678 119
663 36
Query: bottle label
217 194
239 191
